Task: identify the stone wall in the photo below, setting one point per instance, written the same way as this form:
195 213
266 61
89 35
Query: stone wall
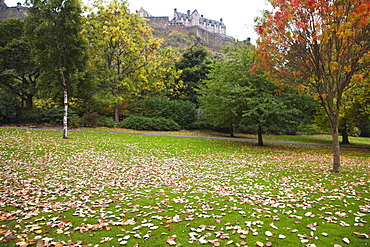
212 40
13 12
158 22
209 39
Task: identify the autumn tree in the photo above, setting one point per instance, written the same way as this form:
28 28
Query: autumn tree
162 74
323 44
53 30
122 51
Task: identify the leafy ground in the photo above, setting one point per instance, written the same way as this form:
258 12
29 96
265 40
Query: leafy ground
98 189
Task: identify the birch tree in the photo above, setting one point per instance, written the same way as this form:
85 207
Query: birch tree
54 30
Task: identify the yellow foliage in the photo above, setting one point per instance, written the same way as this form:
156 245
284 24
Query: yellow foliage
347 68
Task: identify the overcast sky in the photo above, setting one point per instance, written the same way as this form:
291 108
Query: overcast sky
237 15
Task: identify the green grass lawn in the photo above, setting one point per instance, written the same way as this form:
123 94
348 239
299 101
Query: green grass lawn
106 189
315 139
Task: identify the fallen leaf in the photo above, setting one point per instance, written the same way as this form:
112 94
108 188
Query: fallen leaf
268 233
363 235
259 244
346 240
171 240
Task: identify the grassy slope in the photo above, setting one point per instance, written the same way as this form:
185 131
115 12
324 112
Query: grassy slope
98 188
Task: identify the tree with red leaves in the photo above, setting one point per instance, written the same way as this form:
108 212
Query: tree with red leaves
323 45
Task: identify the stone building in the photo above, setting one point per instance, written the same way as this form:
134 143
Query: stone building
185 20
195 19
211 32
12 12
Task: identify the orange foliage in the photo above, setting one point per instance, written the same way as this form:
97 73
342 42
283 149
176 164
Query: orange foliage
316 37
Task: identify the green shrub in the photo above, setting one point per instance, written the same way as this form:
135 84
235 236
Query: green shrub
105 121
354 131
201 124
8 108
309 129
55 115
35 115
75 122
90 119
146 123
182 112
365 128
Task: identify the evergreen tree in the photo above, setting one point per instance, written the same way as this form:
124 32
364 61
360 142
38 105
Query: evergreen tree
195 65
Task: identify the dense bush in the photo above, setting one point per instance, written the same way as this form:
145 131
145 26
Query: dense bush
182 112
92 120
35 115
55 115
105 121
75 122
8 108
309 129
201 124
365 128
147 123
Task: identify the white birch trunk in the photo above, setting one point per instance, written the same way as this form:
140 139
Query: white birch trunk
65 102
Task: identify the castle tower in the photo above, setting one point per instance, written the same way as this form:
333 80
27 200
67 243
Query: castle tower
143 13
195 19
3 5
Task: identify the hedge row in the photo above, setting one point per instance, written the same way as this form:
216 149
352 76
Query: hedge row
147 123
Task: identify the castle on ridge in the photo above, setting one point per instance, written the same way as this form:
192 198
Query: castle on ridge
211 32
188 20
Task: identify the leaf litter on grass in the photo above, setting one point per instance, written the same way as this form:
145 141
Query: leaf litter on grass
136 193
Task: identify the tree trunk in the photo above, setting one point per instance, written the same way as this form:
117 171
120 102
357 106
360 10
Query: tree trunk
232 130
65 102
260 141
336 149
116 114
29 101
345 139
